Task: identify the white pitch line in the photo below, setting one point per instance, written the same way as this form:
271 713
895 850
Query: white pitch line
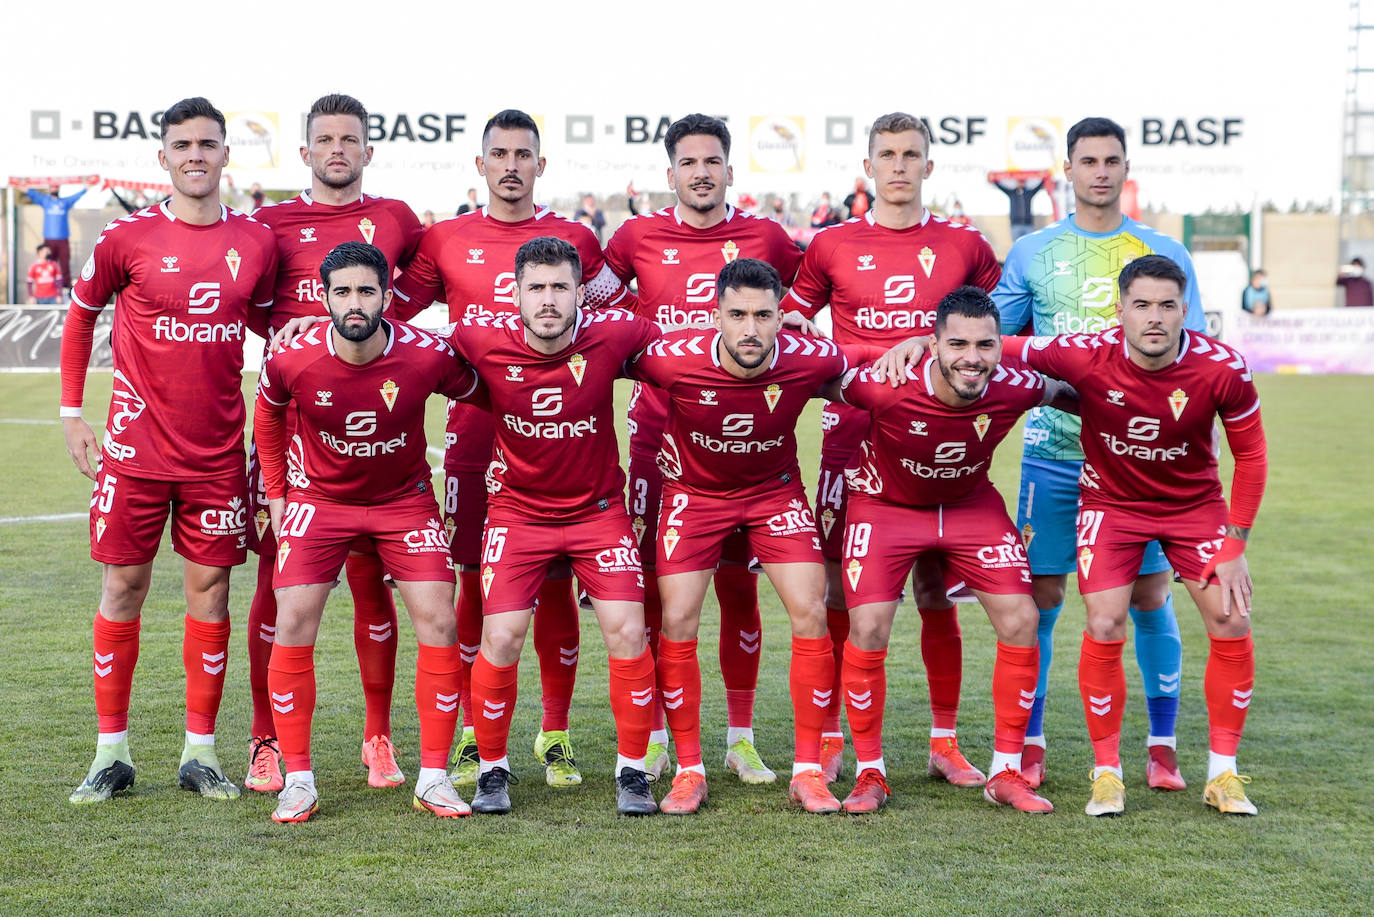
57 517
29 420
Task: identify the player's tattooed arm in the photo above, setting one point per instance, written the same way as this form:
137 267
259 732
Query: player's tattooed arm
1238 533
1060 395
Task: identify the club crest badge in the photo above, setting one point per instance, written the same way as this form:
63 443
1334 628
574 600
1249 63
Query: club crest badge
772 394
99 528
283 552
368 229
389 392
827 521
488 574
232 259
1085 562
730 250
1177 402
670 540
927 259
577 364
981 424
261 520
640 527
854 571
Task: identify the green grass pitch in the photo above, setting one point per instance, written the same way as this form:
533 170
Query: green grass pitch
935 849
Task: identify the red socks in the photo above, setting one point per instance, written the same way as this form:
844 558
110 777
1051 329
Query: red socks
205 655
679 688
942 651
291 679
1102 682
865 693
493 697
436 701
116 654
262 633
374 637
469 612
1014 674
632 700
837 622
1228 683
737 590
811 680
556 639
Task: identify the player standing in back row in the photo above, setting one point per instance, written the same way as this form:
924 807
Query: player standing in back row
467 263
308 227
675 254
1062 280
882 275
187 275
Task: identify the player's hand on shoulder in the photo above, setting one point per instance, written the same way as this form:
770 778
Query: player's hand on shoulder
894 364
795 321
1060 395
288 333
81 444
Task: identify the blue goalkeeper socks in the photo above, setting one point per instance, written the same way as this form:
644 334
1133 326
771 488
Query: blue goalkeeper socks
1159 652
1045 634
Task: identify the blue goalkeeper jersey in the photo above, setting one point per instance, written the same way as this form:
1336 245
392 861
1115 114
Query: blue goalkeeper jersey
1062 280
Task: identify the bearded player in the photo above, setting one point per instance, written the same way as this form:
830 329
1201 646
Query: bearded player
1150 392
729 462
882 276
675 254
920 485
557 493
358 472
186 276
307 227
466 262
1061 280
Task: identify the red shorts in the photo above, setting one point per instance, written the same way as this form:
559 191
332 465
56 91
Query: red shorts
974 536
261 539
516 558
209 519
645 495
1112 541
316 536
465 512
778 526
843 429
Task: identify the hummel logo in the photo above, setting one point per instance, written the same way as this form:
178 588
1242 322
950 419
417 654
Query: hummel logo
861 701
475 256
749 642
567 655
1061 269
322 399
267 633
642 698
866 263
918 428
670 256
446 703
379 633
493 711
708 396
170 264
513 373
672 699
284 703
821 698
468 653
1100 706
308 234
1116 398
104 665
1027 700
208 661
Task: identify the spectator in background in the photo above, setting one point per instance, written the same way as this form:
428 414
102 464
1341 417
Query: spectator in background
859 200
1358 292
427 219
45 278
57 229
636 201
257 198
590 214
1020 192
824 215
470 204
1255 297
779 212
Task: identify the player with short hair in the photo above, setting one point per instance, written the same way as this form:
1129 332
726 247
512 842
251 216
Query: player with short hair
675 254
729 462
358 472
466 262
1150 391
307 227
919 484
882 275
557 493
1062 280
187 275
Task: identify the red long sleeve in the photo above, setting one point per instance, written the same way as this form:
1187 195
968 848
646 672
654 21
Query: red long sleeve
77 334
269 432
1246 439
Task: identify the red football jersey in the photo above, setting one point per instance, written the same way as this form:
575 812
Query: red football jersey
555 457
183 293
469 263
725 435
307 230
676 267
44 276
360 430
1149 438
882 286
920 451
